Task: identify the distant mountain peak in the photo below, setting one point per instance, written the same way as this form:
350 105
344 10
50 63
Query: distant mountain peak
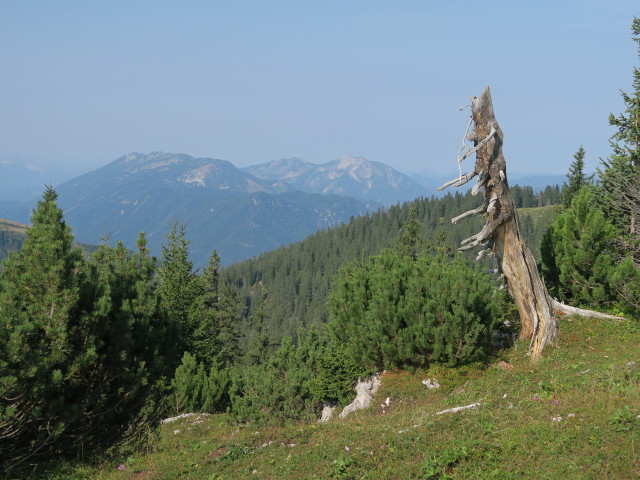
347 176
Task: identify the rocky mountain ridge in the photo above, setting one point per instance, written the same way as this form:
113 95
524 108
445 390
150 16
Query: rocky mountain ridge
224 208
346 175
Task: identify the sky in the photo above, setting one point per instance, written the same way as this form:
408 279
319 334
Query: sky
84 83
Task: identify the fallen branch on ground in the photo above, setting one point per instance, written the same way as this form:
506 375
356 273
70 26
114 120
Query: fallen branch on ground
457 409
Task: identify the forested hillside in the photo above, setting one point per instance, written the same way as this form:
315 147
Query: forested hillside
11 236
294 281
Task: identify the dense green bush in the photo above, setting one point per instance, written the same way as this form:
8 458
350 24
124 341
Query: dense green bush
334 375
197 388
294 381
395 311
277 390
82 344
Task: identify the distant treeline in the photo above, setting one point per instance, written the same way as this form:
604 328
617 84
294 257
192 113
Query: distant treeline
295 280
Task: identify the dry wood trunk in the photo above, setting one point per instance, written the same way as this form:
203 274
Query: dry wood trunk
501 235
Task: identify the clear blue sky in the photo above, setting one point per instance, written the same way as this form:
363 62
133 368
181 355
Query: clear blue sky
85 82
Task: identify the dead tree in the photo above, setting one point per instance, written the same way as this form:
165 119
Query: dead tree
500 234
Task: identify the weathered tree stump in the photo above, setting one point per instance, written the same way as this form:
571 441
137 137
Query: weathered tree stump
500 234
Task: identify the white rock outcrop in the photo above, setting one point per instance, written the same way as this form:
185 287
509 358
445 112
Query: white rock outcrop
365 391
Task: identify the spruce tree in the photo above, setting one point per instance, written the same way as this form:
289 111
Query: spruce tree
620 174
178 287
576 179
259 344
215 315
409 242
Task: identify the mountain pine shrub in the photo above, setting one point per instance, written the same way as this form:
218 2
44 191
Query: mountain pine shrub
277 390
82 344
395 311
197 388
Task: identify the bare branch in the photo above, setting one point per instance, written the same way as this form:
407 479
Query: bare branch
477 239
464 145
456 182
475 211
457 409
486 250
569 310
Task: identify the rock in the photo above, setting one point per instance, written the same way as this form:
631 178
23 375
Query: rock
431 383
365 391
173 419
327 411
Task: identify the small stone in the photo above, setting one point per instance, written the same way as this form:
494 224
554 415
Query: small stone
431 383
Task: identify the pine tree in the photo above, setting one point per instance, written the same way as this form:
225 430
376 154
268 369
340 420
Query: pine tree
39 311
84 343
135 342
394 311
576 179
620 187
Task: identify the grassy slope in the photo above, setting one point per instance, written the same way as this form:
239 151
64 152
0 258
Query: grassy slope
590 378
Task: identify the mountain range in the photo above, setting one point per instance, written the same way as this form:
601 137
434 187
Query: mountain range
223 207
238 212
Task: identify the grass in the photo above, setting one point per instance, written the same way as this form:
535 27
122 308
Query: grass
573 415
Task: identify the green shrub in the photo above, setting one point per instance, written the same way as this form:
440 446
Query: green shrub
578 254
276 390
335 374
82 344
198 389
395 311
